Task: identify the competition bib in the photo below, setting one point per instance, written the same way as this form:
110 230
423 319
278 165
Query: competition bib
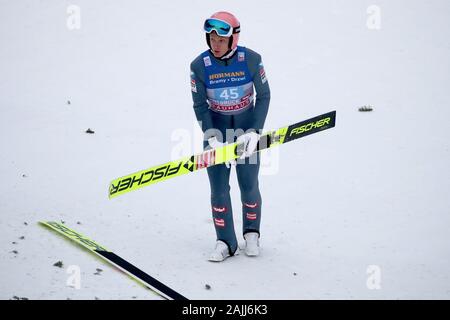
229 88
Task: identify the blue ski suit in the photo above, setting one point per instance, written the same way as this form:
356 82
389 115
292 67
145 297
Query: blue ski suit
224 99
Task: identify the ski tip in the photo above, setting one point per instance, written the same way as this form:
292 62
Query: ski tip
333 113
111 194
48 224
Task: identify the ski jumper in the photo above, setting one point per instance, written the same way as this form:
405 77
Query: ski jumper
224 98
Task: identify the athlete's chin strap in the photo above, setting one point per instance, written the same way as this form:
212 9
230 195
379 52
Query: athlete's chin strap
228 55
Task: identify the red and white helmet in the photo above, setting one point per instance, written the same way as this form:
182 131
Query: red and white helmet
231 20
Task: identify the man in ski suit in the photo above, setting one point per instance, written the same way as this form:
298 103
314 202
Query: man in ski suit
223 80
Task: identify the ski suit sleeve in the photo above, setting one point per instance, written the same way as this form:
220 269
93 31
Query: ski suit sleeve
198 90
262 89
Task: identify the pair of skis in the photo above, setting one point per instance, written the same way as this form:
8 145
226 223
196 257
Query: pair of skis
219 155
180 167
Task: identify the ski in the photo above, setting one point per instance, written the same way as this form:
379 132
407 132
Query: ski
219 155
109 256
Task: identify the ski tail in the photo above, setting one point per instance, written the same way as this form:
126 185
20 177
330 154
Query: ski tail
123 265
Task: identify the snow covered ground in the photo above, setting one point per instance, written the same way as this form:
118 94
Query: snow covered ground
360 211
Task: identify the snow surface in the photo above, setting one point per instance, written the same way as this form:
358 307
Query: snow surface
372 191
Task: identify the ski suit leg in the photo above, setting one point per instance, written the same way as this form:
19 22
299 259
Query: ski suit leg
222 211
247 174
219 178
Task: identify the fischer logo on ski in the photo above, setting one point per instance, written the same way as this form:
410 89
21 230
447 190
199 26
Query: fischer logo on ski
144 178
310 126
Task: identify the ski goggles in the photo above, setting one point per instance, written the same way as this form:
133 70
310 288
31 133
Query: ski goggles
222 28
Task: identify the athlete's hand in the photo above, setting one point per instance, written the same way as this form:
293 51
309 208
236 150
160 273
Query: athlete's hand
214 143
249 142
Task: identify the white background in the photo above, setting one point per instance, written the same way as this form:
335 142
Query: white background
372 191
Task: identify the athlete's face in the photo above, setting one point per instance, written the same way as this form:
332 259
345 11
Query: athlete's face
219 45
